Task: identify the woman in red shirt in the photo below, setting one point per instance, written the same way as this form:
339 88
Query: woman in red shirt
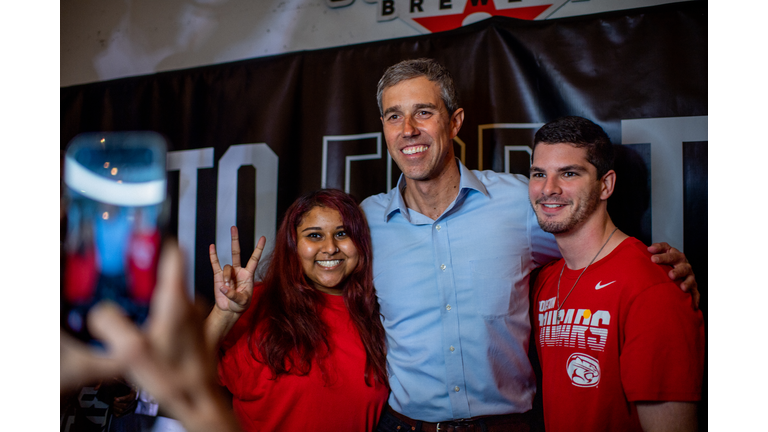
305 349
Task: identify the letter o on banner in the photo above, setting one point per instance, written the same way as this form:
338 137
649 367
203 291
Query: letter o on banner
265 161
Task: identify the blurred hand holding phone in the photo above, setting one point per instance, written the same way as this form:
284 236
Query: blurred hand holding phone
169 358
116 210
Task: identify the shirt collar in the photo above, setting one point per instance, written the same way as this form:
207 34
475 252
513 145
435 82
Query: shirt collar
468 181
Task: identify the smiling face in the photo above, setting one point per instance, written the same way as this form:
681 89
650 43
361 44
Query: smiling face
418 128
327 254
564 189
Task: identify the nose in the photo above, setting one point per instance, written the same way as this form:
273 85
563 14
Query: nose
409 127
551 186
329 246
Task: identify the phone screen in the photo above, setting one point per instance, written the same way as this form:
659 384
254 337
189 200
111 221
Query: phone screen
116 208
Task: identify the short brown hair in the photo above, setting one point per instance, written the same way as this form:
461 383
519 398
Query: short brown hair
579 132
426 67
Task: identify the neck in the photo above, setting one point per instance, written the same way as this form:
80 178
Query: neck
431 197
580 245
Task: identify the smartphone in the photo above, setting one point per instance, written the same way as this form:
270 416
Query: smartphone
116 211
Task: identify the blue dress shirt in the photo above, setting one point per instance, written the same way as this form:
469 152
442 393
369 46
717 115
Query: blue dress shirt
454 297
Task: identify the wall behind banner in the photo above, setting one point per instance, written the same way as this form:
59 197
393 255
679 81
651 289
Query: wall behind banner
248 137
107 40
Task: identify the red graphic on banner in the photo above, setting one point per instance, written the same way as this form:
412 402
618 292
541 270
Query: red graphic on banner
453 21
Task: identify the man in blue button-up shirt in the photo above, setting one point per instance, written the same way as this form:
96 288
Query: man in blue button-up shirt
453 250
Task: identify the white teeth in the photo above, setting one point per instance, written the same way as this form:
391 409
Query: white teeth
329 263
552 205
414 149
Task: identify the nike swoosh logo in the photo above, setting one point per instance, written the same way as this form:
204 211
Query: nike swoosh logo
598 286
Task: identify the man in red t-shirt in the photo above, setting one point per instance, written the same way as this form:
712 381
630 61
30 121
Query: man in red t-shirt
620 346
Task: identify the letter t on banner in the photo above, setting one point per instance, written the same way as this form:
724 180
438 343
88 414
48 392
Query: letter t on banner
666 136
187 162
261 157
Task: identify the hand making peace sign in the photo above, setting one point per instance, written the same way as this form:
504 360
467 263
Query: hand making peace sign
233 285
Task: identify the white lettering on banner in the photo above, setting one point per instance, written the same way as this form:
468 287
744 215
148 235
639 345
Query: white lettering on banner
666 136
507 149
187 162
261 157
349 159
587 331
510 149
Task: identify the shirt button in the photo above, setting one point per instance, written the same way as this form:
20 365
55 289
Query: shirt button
456 389
442 267
438 227
447 307
452 348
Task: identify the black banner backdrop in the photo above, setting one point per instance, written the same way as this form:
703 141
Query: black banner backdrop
247 138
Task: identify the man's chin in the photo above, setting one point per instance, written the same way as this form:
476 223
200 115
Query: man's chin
554 227
418 175
557 229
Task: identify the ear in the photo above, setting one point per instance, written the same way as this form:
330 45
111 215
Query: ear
608 182
457 119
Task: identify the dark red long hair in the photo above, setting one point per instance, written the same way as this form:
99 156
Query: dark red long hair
287 330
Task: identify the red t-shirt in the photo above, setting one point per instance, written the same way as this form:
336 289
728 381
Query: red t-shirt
342 401
627 334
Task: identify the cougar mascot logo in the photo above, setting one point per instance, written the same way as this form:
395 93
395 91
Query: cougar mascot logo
583 370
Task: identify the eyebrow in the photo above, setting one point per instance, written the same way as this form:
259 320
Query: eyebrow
425 105
392 109
579 168
417 106
319 229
